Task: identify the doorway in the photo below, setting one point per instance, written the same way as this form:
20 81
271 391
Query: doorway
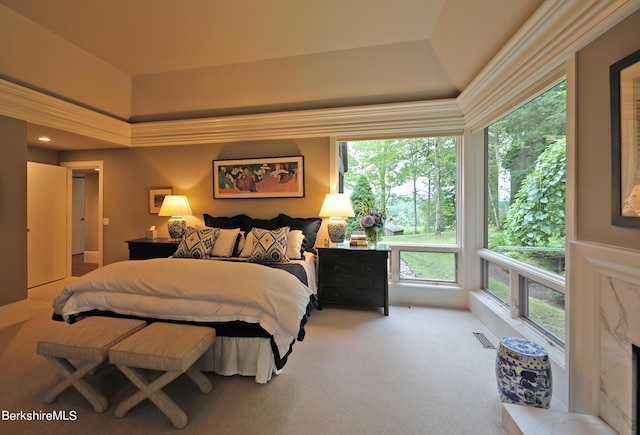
86 211
47 224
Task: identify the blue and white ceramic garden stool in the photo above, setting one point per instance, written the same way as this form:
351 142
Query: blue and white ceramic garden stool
523 372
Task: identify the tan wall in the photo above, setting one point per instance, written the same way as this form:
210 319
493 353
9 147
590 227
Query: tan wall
41 155
359 76
13 210
129 173
91 212
46 61
594 136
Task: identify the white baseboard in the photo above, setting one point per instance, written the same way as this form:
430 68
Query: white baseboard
488 311
91 257
16 312
440 296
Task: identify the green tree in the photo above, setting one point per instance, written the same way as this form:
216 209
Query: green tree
402 175
362 193
440 203
379 160
516 141
537 218
415 167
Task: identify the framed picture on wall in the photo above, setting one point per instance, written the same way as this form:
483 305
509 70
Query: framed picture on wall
156 196
625 140
268 177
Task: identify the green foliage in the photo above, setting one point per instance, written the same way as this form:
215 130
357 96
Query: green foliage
516 141
526 129
412 179
536 218
361 194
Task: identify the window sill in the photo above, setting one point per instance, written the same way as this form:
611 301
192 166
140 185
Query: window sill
483 305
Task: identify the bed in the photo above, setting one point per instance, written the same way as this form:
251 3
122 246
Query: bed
253 280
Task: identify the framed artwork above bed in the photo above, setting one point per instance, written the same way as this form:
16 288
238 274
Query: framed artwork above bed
268 177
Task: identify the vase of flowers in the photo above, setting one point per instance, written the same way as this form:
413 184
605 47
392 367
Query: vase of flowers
371 222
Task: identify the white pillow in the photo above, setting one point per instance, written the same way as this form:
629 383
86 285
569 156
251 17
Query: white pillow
294 244
225 242
248 245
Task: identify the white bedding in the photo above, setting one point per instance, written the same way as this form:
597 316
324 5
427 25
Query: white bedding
194 290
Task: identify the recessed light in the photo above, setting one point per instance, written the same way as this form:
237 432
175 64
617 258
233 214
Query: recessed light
44 139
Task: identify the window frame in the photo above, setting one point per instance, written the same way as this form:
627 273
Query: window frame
518 270
395 247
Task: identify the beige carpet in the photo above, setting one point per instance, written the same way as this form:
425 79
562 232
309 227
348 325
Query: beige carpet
418 371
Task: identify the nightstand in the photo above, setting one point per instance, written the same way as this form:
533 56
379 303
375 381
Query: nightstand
352 276
142 249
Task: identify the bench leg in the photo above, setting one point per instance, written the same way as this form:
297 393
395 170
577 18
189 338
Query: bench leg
152 391
74 378
200 379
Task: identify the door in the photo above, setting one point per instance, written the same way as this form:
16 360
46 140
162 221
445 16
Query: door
46 223
78 215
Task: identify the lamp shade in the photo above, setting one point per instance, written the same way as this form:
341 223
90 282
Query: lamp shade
175 206
336 204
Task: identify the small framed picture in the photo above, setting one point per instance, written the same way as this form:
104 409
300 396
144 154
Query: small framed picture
156 196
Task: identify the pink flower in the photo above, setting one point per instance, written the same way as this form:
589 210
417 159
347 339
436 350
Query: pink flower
367 221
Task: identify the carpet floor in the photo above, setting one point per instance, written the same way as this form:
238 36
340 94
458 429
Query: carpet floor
417 371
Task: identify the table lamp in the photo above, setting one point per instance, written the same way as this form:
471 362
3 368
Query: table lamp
336 207
175 206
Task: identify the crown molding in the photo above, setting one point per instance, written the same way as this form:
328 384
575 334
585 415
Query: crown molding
535 56
421 118
437 117
34 107
531 60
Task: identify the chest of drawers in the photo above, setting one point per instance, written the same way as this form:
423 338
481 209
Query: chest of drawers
356 277
142 249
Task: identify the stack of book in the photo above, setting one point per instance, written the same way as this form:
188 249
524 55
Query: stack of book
358 240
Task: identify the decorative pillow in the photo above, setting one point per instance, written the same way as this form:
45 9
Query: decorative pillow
269 246
269 224
197 243
294 244
240 244
223 222
248 245
225 243
309 227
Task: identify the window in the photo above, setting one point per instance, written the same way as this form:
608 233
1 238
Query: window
525 211
414 180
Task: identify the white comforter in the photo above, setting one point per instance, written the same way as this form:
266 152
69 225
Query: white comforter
193 290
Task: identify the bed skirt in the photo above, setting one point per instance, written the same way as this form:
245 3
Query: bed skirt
245 356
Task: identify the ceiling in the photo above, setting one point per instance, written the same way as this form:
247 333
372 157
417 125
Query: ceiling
155 37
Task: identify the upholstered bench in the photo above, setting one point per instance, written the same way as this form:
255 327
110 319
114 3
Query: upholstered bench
88 341
167 347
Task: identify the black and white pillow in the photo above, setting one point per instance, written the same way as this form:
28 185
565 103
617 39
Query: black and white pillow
197 243
269 246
